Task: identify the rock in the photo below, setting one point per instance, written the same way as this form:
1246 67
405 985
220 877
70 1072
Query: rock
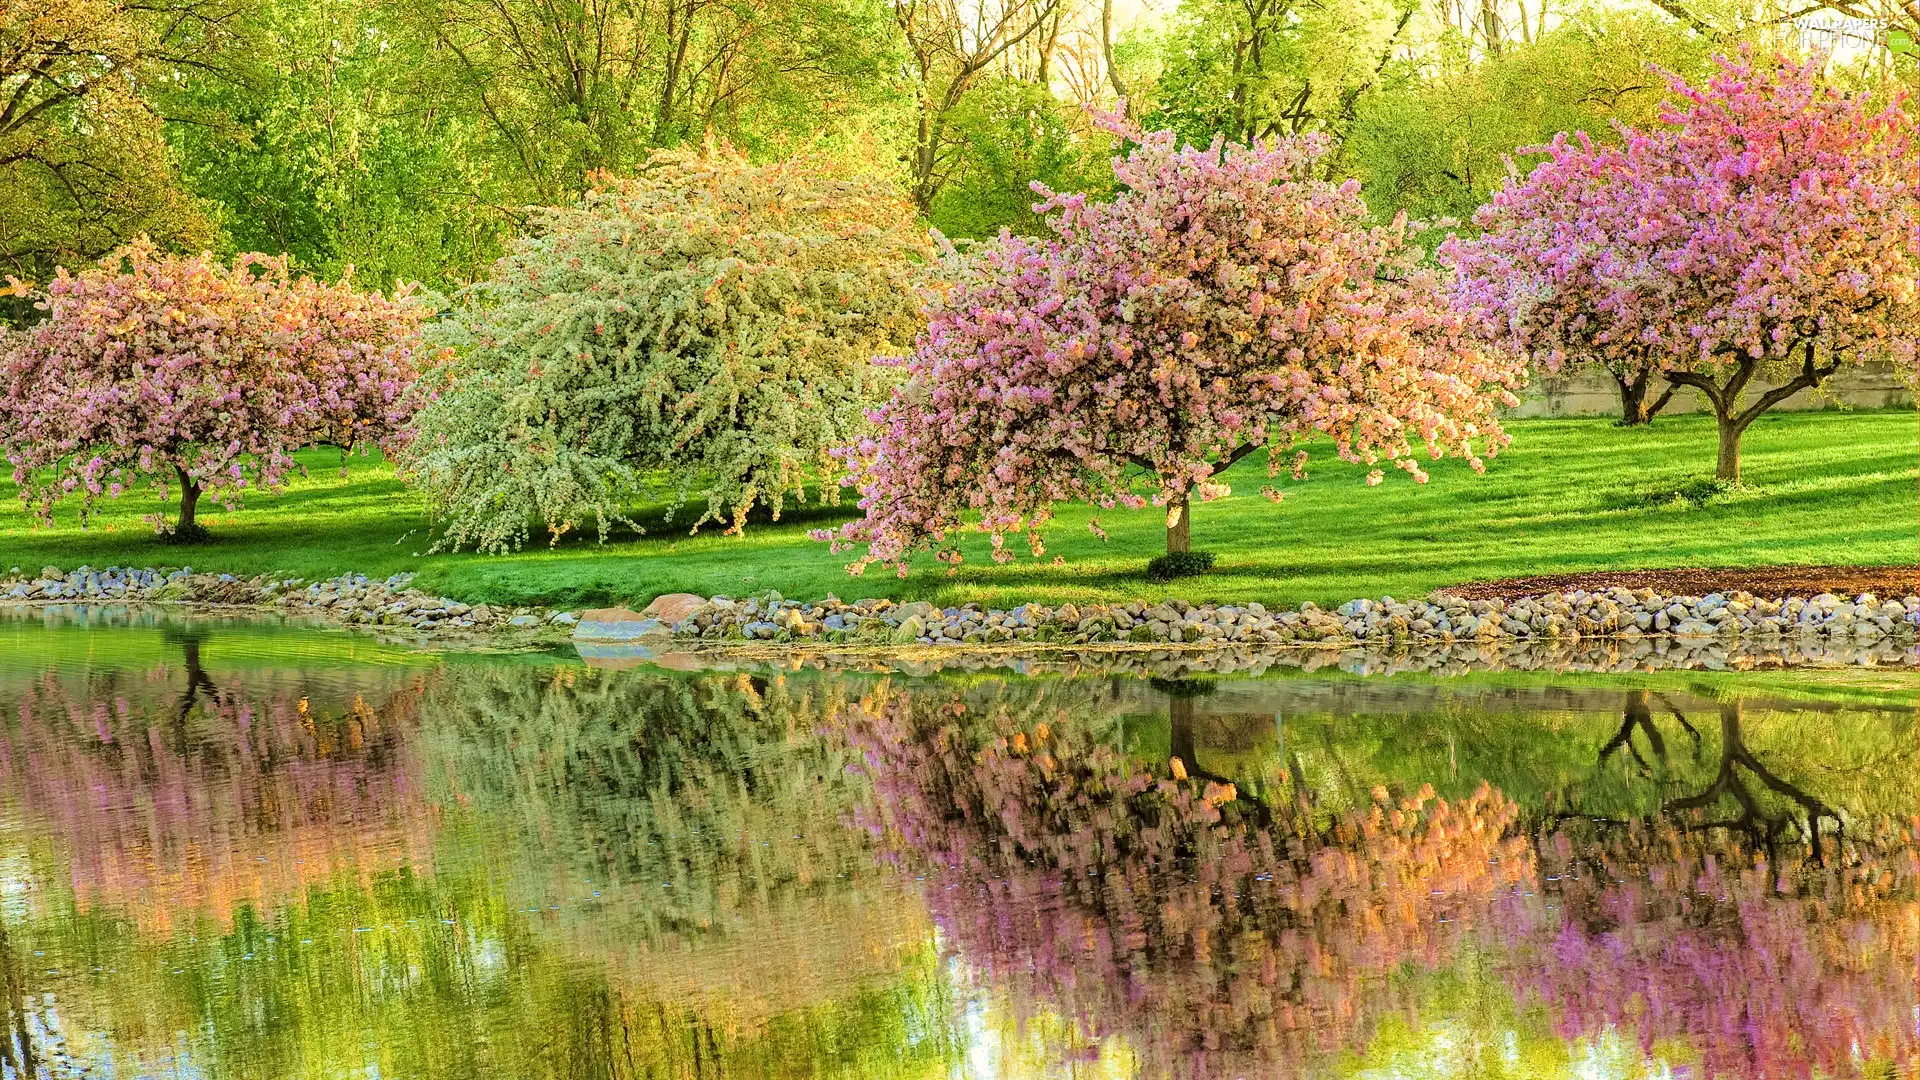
618 624
565 618
911 629
673 607
521 622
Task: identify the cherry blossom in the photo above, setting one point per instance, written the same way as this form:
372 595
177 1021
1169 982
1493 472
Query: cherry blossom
167 369
1225 301
1769 230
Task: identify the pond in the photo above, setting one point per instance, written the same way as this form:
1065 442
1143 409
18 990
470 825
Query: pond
241 849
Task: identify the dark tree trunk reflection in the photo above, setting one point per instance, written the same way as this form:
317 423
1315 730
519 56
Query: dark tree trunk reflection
1766 829
1738 766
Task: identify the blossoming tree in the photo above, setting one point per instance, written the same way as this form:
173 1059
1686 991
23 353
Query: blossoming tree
1226 301
705 329
188 371
1769 232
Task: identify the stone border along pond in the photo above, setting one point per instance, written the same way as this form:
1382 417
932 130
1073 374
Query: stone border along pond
350 599
1735 621
1619 614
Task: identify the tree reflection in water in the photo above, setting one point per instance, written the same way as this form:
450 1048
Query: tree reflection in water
1747 925
532 869
176 793
1209 934
707 816
17 1050
1745 920
603 874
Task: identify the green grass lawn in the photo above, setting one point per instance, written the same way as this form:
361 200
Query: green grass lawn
1570 495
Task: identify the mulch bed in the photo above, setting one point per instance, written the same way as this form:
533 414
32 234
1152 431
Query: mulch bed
1771 582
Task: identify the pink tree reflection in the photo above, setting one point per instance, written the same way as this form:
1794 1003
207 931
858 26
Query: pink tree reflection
1212 932
172 792
1750 920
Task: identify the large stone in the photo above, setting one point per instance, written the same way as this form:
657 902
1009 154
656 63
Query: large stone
618 624
673 607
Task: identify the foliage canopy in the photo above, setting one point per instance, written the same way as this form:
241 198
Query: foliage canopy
1768 228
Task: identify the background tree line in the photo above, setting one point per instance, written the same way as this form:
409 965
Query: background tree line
410 137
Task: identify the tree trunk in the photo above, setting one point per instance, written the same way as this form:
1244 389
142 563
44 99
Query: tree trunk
1728 468
189 501
1635 390
1725 399
1180 533
1106 49
663 111
923 162
1490 27
1633 401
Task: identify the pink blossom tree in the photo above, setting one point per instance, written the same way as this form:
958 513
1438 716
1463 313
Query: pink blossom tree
1226 301
1769 232
185 370
355 356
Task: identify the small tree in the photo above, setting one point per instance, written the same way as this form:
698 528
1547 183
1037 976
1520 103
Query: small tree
1770 230
707 327
1224 302
187 371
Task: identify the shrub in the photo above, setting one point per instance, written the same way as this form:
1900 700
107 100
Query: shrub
1694 493
1178 564
703 330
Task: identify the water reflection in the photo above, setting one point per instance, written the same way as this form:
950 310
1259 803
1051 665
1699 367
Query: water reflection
1214 932
1745 918
177 793
689 835
234 853
1743 925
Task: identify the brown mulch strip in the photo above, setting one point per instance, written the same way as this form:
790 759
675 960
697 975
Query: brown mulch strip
1771 582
